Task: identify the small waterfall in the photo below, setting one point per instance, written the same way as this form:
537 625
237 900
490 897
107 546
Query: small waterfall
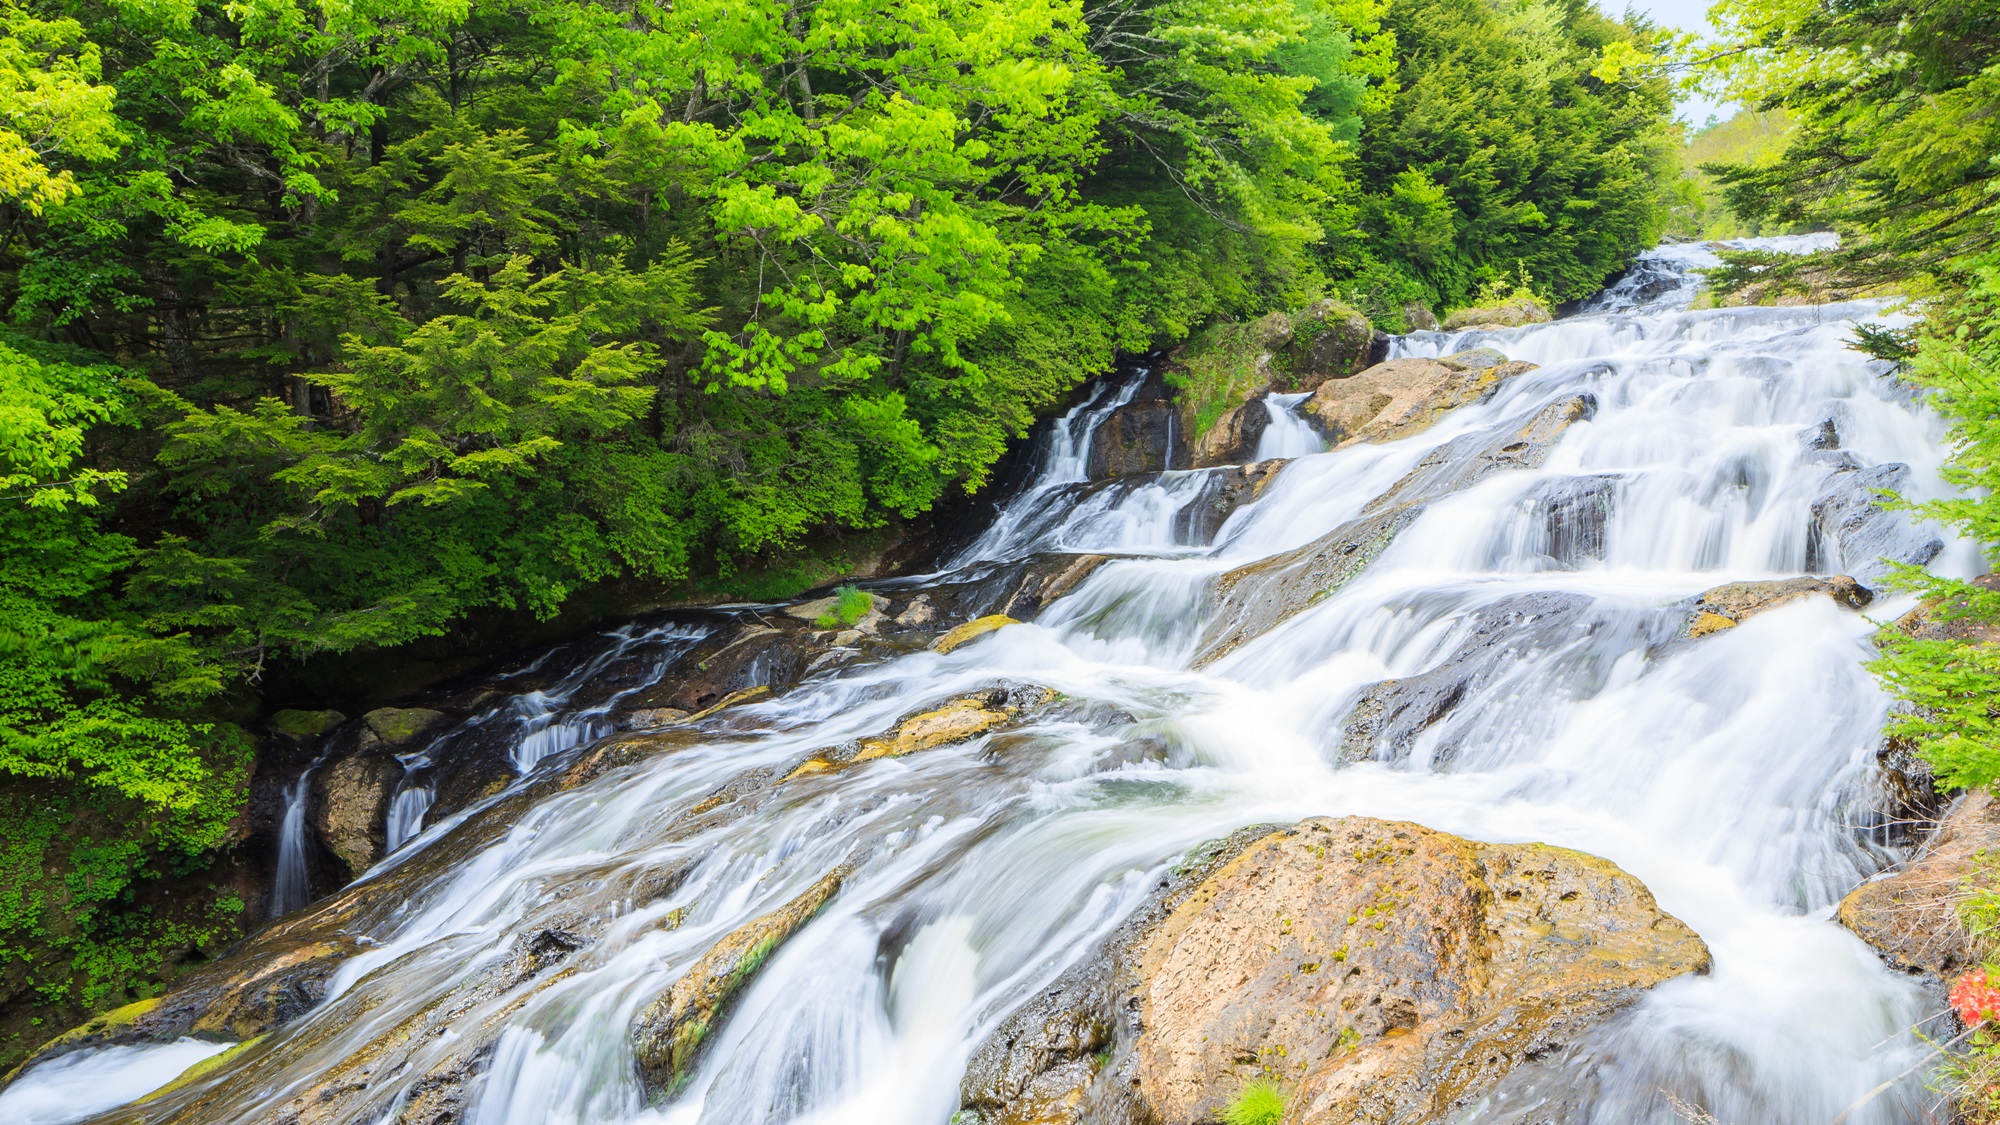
406 814
1287 435
1062 458
540 722
293 886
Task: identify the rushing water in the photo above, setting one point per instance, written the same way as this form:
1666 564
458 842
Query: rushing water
1734 775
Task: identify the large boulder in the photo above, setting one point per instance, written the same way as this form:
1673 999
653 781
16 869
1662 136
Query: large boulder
350 807
1514 312
1145 435
1910 915
1380 971
1405 396
1330 340
1850 514
1235 436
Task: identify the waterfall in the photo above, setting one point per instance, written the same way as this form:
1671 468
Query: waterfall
1732 774
1287 435
292 887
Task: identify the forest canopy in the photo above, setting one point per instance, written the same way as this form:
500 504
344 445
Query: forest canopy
329 325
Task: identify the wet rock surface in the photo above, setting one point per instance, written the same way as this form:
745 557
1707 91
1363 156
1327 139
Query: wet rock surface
1388 717
1381 971
1910 915
1143 436
669 1033
1850 514
1405 396
1253 599
1730 604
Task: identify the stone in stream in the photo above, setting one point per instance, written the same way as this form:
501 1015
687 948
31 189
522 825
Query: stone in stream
669 1034
1405 396
1850 513
1378 971
350 806
1255 598
1731 603
1511 313
970 631
1910 915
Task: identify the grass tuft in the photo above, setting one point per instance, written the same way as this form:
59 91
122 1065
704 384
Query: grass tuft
1260 1103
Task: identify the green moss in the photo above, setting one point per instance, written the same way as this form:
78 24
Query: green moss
305 724
1260 1103
1217 370
206 1066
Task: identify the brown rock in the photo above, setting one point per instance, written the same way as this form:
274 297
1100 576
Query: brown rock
1383 972
647 718
1910 915
918 612
1418 317
1733 602
1143 436
668 1034
351 805
1405 396
1234 437
958 720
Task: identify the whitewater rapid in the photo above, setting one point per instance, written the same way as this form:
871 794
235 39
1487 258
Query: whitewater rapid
1735 775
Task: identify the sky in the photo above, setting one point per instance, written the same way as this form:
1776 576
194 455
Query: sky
1688 15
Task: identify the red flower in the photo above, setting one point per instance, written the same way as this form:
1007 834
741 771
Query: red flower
1975 998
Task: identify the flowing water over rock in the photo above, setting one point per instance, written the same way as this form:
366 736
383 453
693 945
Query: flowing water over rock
813 922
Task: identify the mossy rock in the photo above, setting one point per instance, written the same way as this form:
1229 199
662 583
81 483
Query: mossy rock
399 725
303 726
96 1027
206 1066
971 630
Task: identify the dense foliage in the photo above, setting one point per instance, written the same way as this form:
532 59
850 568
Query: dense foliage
332 325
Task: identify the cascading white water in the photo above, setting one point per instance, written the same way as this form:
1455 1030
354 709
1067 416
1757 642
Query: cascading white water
291 887
1728 773
1287 435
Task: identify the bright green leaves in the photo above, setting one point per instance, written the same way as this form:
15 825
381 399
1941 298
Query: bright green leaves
53 104
888 178
45 408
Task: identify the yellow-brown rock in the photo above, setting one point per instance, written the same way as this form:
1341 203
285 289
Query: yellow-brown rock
1911 915
954 722
1405 396
961 719
1381 971
971 630
668 1035
1707 623
1729 604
